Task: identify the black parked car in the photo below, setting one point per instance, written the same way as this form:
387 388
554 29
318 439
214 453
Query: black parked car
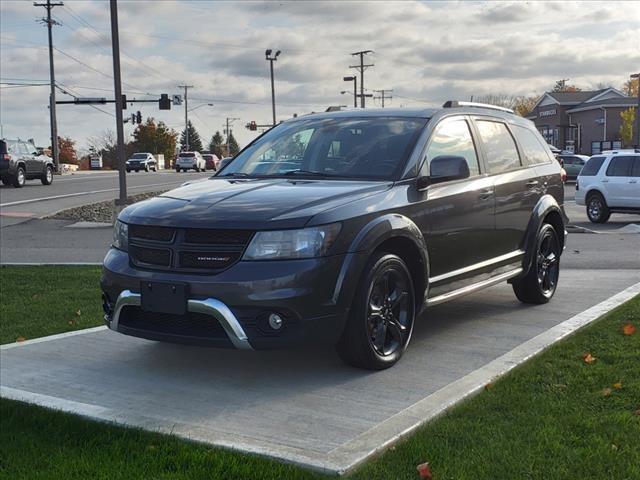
342 227
20 161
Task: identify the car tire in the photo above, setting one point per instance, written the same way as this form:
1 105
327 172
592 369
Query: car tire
381 318
146 168
128 170
597 209
47 179
539 284
19 178
177 170
136 170
6 181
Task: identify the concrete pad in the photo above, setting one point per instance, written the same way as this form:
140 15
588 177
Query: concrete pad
305 406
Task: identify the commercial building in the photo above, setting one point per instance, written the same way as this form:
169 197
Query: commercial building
582 122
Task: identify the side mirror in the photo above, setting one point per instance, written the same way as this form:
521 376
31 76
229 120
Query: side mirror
448 167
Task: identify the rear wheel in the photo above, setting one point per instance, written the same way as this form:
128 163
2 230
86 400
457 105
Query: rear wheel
381 319
597 209
47 179
19 178
540 283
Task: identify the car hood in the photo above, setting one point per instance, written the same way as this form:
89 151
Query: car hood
249 203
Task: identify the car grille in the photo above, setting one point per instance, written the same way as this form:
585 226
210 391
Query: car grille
186 249
188 325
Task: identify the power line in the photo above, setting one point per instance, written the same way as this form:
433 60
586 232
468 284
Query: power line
361 68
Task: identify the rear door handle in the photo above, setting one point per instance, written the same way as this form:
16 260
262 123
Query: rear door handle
633 180
605 180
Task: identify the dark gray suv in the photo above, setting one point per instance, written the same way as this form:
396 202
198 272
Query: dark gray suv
342 227
21 161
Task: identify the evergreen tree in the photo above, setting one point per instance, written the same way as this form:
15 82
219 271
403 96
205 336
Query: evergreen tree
217 146
195 144
233 145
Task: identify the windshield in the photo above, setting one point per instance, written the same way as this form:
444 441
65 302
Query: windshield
139 155
372 148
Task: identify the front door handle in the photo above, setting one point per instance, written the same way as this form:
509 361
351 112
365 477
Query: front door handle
605 180
633 180
531 183
486 193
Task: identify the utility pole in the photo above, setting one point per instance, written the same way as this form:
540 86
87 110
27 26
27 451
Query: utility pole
383 95
117 83
272 59
186 118
52 96
362 67
227 131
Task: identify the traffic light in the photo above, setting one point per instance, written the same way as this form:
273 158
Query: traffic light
124 102
253 126
133 118
164 102
138 117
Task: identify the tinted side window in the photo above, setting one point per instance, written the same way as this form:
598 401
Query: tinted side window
620 167
499 146
592 167
453 138
532 147
635 170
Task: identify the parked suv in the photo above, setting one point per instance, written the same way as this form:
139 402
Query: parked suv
342 227
610 183
20 161
142 161
190 160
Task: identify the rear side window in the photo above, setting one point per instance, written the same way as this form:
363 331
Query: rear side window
592 167
532 147
620 167
501 151
453 138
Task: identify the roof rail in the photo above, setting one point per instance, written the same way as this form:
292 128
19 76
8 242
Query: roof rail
456 103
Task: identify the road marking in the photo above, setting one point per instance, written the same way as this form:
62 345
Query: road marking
78 194
17 214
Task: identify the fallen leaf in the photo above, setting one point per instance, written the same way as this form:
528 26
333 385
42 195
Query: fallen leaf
629 329
20 339
588 358
559 385
637 413
606 392
34 296
424 470
617 386
576 251
488 386
614 446
70 322
78 313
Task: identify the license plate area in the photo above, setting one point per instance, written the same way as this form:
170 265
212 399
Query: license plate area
164 297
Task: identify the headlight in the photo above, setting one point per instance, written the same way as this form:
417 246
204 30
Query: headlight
121 236
303 243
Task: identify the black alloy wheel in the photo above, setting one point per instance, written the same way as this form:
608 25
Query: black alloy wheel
597 209
381 319
540 283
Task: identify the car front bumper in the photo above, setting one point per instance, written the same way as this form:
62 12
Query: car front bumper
312 296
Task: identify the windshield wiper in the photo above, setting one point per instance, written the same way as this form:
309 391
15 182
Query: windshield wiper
235 174
308 172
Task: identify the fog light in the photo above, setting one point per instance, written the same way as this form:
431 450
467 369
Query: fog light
275 321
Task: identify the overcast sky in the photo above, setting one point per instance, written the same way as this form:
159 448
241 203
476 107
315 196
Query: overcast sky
427 52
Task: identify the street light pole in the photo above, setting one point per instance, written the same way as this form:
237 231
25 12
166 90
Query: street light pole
272 59
355 88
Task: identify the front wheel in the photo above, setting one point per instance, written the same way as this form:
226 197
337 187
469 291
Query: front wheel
146 168
47 179
381 319
540 283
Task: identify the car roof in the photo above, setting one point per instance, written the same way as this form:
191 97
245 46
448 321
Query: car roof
425 113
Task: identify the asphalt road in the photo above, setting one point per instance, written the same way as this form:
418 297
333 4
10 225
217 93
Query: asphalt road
35 200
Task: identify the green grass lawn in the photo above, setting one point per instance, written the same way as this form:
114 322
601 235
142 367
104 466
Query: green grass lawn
555 417
39 301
